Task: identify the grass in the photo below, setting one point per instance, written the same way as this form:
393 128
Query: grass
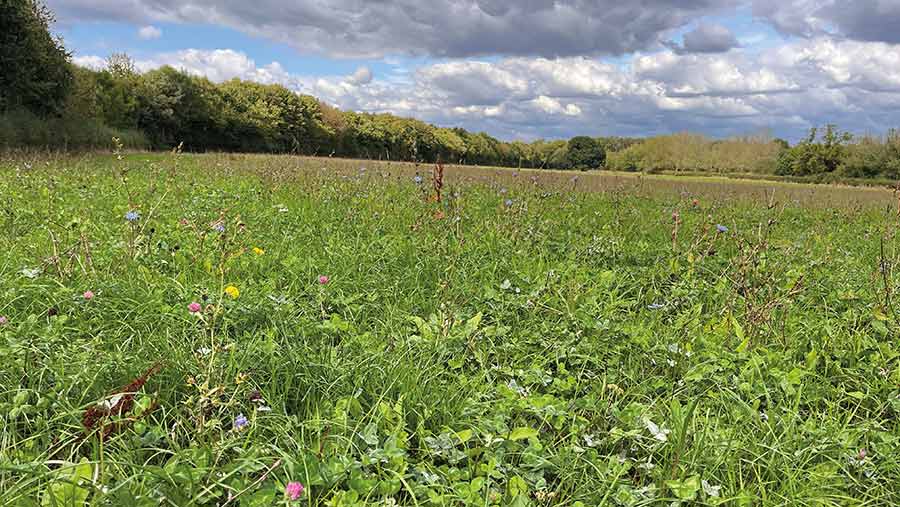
524 342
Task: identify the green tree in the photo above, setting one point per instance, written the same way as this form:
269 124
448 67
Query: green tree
35 73
585 153
815 154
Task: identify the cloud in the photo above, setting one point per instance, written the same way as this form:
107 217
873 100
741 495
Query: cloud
149 32
862 20
443 28
550 105
363 75
706 38
91 62
218 65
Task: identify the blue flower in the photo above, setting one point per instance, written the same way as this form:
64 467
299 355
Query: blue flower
508 203
132 216
721 228
240 422
219 227
418 180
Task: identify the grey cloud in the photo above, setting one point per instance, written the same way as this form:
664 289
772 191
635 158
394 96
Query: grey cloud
863 20
444 28
867 20
706 38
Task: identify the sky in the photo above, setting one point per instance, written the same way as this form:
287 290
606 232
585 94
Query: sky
527 69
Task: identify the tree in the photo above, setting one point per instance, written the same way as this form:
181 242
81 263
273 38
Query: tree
815 154
585 153
36 74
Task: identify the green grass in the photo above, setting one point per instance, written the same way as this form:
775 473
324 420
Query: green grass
565 349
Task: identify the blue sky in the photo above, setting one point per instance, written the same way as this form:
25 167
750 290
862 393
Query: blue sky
533 68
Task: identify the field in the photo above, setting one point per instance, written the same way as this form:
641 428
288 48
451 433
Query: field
187 330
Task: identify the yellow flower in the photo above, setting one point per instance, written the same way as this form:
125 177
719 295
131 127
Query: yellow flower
258 251
232 291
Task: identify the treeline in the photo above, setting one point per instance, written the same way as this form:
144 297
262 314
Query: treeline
166 107
823 155
47 102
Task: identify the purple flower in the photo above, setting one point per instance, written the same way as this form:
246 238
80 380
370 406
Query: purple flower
508 203
293 490
418 179
132 216
3 320
219 226
240 422
721 228
194 307
323 280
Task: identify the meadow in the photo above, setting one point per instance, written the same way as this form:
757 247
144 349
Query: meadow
212 330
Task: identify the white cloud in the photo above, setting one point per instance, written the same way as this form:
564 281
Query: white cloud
362 76
550 105
149 32
91 62
219 65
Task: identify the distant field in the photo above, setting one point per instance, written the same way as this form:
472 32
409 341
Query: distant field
717 188
207 329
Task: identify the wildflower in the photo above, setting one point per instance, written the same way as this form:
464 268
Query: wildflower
502 191
194 307
232 291
661 434
3 320
88 295
710 490
695 203
219 226
656 306
258 251
508 203
418 180
721 228
323 280
293 490
132 216
240 422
